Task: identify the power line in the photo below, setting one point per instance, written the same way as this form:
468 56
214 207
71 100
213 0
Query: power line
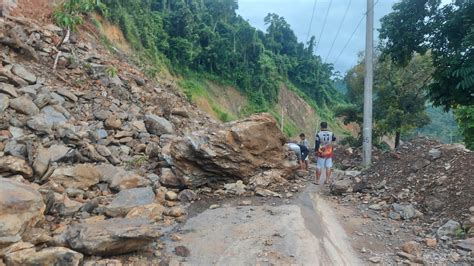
324 25
353 33
311 21
338 30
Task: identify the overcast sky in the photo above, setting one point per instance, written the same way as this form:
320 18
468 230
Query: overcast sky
298 14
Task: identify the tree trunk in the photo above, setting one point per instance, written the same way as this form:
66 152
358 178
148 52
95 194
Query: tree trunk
397 139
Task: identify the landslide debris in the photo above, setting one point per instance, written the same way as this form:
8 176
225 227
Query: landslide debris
426 187
94 164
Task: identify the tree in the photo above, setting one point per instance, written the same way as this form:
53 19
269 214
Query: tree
400 98
399 105
448 33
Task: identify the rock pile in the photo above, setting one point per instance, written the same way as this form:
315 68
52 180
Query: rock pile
426 186
98 164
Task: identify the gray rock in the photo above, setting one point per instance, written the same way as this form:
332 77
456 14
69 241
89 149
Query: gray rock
466 244
419 164
53 116
433 203
8 89
434 154
45 156
39 124
15 149
169 179
340 187
4 102
16 132
375 207
128 199
407 212
21 72
158 125
57 99
448 229
102 114
67 93
187 195
24 105
90 206
111 237
154 179
394 216
42 100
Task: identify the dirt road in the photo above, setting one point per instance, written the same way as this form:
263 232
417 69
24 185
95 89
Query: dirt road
305 231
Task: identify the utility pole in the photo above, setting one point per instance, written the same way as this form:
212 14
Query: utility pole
368 83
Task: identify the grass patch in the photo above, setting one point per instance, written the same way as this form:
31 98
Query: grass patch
195 88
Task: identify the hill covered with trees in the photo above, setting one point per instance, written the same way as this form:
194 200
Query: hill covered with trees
207 38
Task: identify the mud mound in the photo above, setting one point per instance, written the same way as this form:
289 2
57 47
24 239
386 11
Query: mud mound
436 178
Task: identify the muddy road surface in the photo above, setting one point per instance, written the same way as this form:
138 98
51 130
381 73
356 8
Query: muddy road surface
303 231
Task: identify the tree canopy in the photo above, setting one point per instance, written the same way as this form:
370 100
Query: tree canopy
448 33
207 36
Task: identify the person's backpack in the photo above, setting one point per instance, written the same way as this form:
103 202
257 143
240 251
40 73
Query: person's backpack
326 148
325 151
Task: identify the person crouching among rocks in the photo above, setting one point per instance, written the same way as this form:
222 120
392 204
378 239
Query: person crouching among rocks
297 150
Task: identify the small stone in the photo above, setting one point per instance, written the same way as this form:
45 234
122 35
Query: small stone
24 105
375 259
214 206
411 247
448 229
21 72
375 207
171 195
4 102
182 251
431 242
246 203
112 122
187 195
8 89
466 244
176 212
434 154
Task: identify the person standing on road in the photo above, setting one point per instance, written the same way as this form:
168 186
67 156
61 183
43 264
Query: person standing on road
304 145
324 152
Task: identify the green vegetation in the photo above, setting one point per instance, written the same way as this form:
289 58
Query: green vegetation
69 13
399 105
448 33
465 118
195 87
208 38
442 127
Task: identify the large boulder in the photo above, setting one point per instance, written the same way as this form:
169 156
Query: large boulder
235 151
80 176
21 206
128 199
47 256
111 237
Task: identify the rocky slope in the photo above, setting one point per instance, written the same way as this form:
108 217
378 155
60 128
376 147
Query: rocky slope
425 188
97 160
